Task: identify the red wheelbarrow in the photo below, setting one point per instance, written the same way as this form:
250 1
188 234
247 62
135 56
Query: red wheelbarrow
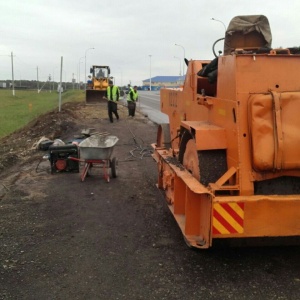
96 151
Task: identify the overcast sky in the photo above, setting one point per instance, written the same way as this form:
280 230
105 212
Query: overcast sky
124 33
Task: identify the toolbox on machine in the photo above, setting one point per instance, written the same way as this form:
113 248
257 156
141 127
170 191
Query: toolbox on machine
58 156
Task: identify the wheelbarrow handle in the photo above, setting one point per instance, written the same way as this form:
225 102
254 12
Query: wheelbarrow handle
96 161
75 158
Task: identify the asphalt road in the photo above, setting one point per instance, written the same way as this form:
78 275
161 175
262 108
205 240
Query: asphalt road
149 104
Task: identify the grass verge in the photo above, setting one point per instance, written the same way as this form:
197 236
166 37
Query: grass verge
17 111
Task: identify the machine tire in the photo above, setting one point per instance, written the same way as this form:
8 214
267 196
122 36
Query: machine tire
163 139
206 166
113 166
212 165
191 160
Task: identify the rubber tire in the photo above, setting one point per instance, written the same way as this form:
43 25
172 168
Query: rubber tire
212 163
113 166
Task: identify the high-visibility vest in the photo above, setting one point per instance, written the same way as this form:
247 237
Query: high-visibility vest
113 93
133 93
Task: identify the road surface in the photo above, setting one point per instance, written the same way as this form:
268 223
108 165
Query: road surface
149 105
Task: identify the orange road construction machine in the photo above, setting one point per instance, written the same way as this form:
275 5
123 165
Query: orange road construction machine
229 158
97 84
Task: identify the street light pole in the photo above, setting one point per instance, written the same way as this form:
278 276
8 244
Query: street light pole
12 74
150 71
183 57
220 22
179 64
85 66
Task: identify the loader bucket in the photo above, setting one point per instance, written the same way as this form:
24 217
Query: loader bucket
94 96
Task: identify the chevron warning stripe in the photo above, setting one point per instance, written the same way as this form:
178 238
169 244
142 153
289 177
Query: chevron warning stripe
228 218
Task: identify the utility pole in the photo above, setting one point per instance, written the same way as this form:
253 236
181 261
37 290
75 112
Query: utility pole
12 72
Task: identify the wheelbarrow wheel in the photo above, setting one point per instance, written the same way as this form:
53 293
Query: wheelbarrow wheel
113 166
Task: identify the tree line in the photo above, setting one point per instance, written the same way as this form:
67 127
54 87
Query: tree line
34 84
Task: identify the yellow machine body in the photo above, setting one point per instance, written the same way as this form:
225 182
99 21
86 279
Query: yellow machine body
229 159
97 85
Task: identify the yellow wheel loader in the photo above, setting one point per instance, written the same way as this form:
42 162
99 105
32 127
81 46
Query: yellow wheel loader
97 84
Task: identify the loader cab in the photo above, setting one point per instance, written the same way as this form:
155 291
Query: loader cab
100 72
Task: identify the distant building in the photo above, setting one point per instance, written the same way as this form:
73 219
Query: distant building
159 82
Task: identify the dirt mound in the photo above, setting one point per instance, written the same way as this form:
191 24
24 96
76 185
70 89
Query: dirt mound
20 145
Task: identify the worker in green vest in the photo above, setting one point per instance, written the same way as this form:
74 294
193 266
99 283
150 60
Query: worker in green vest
112 95
132 98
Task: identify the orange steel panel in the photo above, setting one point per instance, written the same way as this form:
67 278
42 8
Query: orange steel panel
179 196
272 218
208 136
238 74
192 212
183 105
256 216
188 200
